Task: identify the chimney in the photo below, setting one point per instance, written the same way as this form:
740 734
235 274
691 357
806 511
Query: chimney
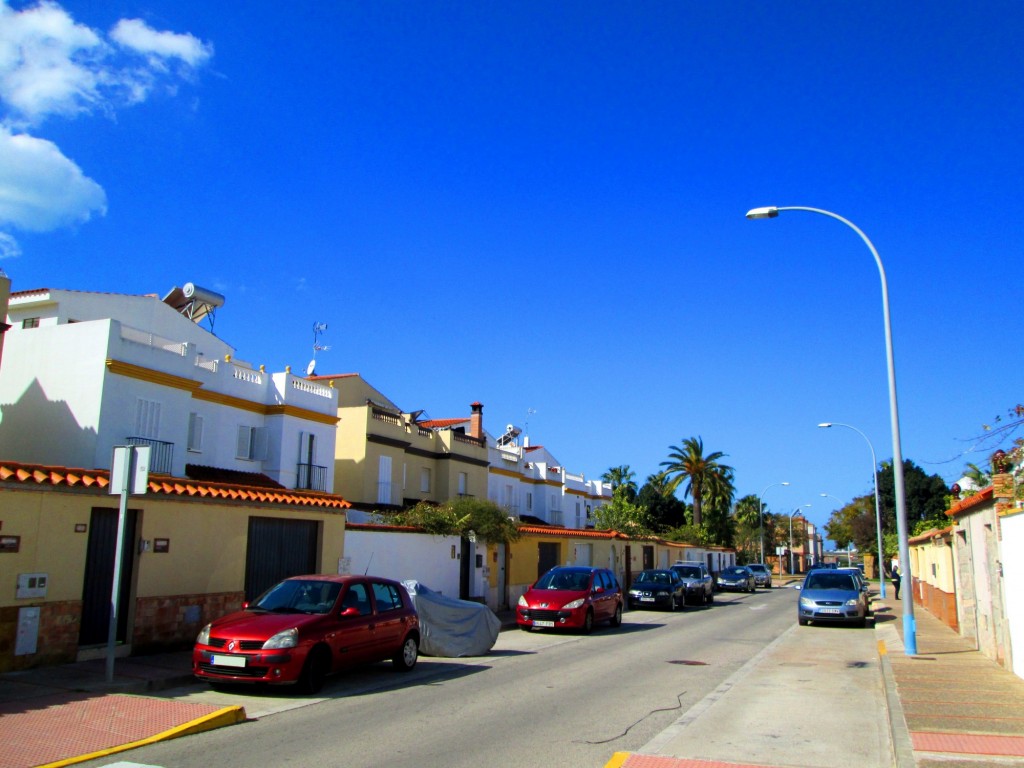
476 420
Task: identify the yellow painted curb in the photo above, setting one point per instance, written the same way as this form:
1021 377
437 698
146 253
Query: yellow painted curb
618 760
882 650
218 719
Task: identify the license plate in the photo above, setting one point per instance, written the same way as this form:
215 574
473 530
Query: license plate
538 623
646 599
829 610
227 661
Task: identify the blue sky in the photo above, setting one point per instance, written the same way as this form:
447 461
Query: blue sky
540 206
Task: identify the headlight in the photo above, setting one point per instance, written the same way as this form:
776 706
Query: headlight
204 636
573 604
634 593
855 601
806 602
522 602
287 639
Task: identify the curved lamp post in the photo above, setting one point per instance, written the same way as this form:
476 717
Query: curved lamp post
878 506
909 626
760 515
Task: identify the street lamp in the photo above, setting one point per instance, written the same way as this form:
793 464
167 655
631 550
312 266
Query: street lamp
909 626
878 506
849 544
760 516
791 569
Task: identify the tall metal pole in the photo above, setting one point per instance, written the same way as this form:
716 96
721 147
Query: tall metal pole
909 624
878 505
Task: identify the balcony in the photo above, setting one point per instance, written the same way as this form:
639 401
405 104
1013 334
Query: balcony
161 454
311 478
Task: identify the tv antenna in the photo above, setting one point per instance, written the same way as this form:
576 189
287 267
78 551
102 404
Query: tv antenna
318 329
526 426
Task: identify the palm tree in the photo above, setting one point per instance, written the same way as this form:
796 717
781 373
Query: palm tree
689 464
621 475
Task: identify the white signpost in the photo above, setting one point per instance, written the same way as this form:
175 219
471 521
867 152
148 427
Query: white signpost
129 474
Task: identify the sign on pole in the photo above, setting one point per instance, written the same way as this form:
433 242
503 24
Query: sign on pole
129 474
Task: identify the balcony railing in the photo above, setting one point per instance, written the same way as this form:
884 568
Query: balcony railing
161 454
312 478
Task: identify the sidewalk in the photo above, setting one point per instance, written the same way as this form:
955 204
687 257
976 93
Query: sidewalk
817 696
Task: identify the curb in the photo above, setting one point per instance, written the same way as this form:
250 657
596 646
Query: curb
222 717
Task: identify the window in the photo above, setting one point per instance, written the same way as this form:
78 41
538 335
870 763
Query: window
307 448
30 322
463 480
357 597
529 501
147 418
252 443
387 597
425 480
195 432
384 480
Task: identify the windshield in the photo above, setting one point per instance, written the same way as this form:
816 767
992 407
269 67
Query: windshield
824 580
758 568
735 573
688 571
654 577
559 578
298 596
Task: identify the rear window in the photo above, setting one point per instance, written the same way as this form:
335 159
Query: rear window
387 597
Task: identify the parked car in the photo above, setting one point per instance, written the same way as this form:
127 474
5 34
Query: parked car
830 596
304 628
700 587
571 597
657 589
762 574
736 578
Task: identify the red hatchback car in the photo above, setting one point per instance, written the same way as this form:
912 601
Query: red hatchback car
571 597
307 627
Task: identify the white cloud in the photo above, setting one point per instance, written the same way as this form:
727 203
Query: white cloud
51 66
40 188
136 35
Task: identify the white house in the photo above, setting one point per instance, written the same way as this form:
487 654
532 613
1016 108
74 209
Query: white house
83 372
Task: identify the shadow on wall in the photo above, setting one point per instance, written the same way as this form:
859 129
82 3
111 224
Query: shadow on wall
35 430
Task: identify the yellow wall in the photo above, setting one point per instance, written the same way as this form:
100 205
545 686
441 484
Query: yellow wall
207 541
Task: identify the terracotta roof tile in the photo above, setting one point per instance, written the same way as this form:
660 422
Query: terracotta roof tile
970 502
38 474
440 423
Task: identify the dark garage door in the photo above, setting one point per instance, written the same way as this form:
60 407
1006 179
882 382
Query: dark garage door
278 548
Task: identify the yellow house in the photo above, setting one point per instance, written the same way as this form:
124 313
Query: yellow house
192 551
387 458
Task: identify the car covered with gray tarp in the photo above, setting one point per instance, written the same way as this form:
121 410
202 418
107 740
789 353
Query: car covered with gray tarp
452 627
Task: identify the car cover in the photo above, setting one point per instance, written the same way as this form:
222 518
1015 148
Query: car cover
452 627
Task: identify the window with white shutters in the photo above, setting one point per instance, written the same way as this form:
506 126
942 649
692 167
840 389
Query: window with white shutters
147 418
195 432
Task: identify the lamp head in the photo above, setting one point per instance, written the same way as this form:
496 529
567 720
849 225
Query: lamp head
768 212
786 483
825 425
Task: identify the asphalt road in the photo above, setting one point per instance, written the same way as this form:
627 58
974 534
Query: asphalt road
538 699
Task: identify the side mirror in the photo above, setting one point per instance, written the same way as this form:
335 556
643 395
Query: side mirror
349 612
598 590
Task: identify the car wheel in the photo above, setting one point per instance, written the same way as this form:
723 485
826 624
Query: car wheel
588 622
406 657
616 619
710 597
314 671
672 604
802 621
524 627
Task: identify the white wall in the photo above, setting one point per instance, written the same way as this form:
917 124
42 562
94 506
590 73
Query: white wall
400 556
1013 584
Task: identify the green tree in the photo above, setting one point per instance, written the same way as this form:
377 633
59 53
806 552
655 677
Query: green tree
623 515
719 491
689 464
747 526
665 508
925 495
621 476
457 517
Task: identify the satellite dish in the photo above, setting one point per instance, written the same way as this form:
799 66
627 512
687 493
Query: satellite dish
509 428
311 367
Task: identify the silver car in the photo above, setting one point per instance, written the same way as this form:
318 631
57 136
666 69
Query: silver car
762 574
830 596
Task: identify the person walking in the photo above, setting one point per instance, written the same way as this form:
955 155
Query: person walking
896 579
